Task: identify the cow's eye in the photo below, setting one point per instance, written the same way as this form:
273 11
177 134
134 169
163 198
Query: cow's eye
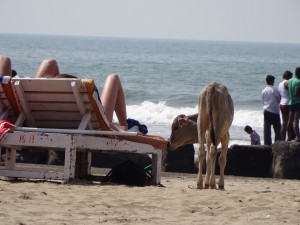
175 128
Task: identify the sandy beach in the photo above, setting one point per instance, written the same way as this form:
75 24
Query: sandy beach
176 201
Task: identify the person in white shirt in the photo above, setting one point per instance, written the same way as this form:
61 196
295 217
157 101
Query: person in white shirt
270 98
254 137
285 107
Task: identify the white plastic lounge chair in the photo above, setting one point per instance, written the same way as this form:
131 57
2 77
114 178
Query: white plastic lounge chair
67 114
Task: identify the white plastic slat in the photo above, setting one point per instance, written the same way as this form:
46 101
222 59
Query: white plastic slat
54 97
56 106
32 174
24 103
47 85
21 119
85 123
73 131
54 116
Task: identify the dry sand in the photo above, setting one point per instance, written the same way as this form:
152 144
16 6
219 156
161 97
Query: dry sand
245 201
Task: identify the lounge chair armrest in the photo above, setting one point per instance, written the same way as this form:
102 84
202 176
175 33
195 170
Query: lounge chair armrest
73 131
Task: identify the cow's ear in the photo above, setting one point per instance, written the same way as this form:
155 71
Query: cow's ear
182 120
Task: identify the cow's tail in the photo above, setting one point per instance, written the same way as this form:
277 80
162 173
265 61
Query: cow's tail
210 100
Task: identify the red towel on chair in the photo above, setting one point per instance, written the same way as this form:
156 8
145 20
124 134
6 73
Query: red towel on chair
5 127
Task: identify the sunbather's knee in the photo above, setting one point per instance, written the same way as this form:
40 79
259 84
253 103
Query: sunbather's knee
48 67
5 65
113 78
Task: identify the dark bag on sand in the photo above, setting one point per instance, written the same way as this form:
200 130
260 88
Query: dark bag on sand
128 173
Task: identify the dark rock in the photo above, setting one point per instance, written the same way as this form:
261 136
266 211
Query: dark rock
286 160
250 160
180 160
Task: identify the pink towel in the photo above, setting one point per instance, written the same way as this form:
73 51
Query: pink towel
5 127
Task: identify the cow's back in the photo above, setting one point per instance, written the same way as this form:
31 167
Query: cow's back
216 107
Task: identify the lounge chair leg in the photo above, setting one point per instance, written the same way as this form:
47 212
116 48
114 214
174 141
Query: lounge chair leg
70 161
83 164
156 167
10 159
89 166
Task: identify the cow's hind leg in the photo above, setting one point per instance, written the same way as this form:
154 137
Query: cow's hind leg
223 159
212 156
208 163
201 159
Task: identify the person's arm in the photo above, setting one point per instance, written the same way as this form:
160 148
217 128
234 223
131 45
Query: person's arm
286 85
277 95
297 89
297 92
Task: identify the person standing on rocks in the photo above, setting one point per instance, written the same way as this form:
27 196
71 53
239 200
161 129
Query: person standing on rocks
270 98
294 91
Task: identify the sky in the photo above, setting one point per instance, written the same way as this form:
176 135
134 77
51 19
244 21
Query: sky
229 20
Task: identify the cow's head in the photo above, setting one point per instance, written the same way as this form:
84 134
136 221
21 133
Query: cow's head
184 131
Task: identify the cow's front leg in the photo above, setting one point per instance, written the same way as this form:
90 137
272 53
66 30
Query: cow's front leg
201 159
223 159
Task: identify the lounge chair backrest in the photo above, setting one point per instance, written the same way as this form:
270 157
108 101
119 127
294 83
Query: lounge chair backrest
59 103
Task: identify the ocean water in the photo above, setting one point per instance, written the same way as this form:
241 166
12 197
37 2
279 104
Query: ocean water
163 78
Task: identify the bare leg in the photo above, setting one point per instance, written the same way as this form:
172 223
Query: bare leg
113 99
284 124
48 68
5 66
296 124
291 123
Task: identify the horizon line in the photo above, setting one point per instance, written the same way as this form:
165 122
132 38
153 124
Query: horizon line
150 38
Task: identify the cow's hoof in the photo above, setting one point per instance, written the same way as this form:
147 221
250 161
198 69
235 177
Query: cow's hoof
206 186
199 186
221 187
213 187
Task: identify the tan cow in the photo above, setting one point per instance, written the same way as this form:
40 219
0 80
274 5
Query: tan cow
214 120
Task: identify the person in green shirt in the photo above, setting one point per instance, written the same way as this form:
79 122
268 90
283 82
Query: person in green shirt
294 92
